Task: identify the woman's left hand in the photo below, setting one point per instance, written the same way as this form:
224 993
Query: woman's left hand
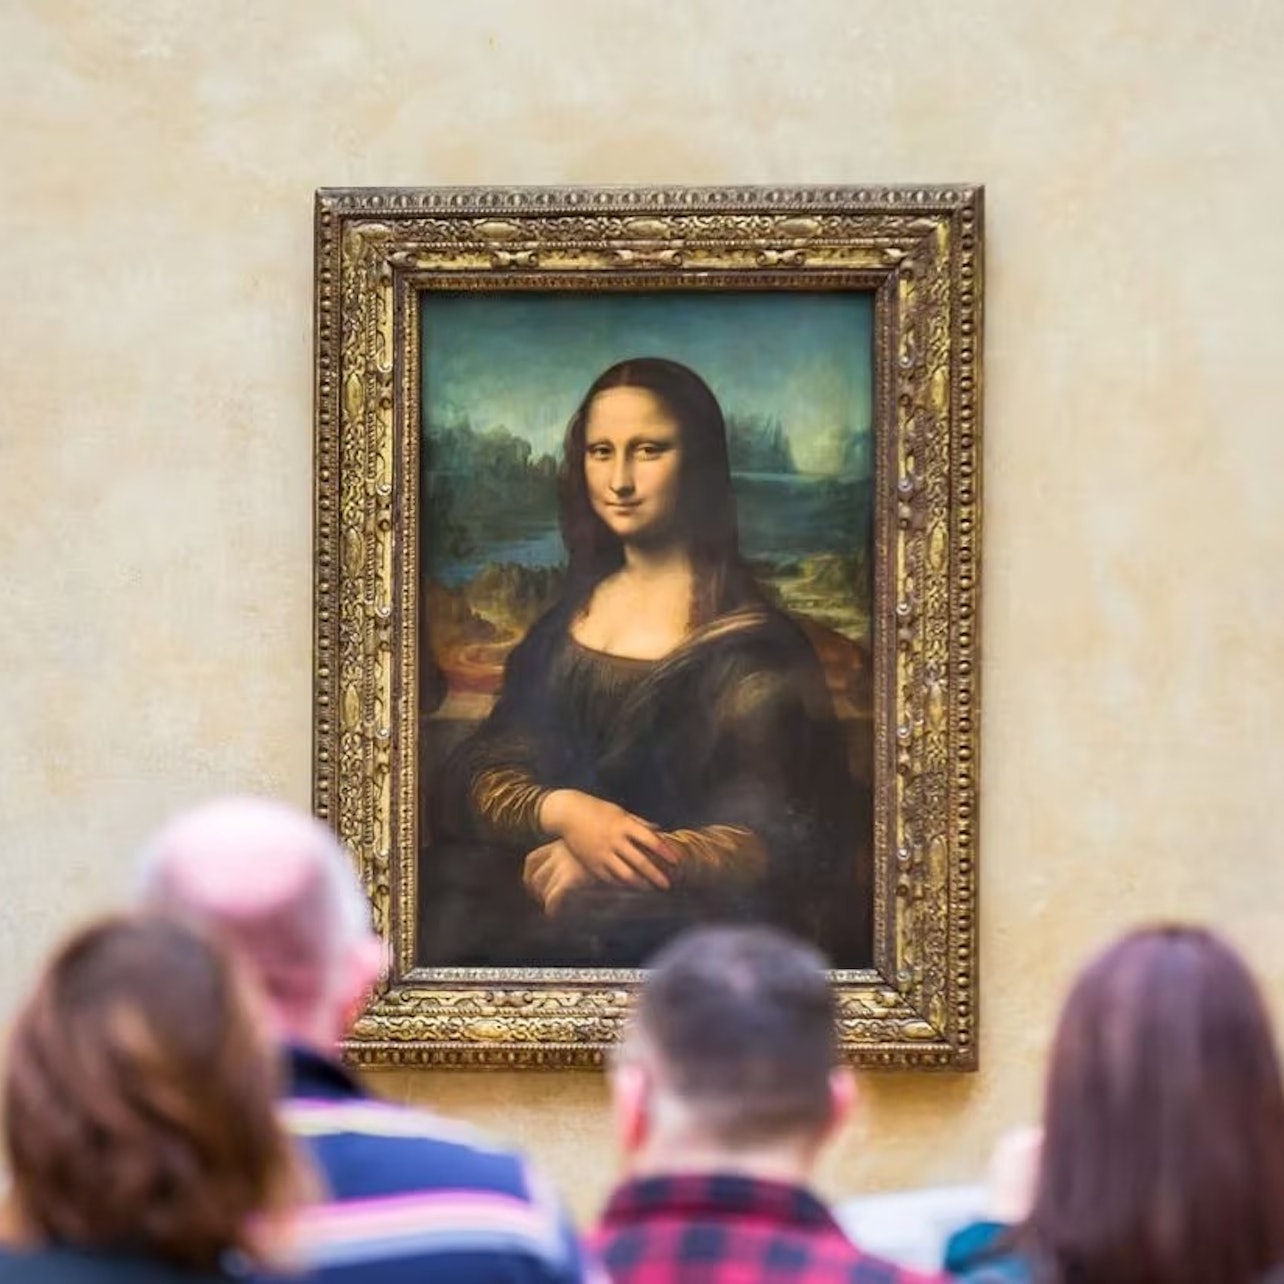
551 873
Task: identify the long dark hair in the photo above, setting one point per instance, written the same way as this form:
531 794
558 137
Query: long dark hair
1163 1147
706 513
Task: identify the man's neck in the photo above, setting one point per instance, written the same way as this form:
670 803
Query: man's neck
789 1166
304 1030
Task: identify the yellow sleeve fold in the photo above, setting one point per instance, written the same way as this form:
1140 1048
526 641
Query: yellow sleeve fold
722 853
506 801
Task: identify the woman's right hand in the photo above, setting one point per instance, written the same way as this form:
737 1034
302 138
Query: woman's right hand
612 844
551 874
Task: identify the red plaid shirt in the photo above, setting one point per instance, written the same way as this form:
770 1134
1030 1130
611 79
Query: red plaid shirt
724 1229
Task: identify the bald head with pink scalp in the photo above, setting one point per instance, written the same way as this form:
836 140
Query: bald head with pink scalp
277 885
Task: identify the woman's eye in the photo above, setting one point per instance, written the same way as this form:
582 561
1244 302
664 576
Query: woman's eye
599 452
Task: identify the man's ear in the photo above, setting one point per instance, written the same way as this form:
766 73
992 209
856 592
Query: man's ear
365 964
631 1106
844 1098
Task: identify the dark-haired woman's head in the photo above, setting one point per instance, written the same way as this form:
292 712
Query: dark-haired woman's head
138 1104
1163 1149
677 488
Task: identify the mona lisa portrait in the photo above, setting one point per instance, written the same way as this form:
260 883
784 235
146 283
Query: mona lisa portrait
649 701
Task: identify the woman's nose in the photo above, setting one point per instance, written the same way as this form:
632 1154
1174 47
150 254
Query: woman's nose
622 476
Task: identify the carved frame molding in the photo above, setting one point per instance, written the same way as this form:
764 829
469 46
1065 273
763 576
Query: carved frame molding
919 250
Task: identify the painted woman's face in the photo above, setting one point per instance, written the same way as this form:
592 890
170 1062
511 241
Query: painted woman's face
633 463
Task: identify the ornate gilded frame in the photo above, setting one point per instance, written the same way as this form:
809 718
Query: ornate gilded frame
919 250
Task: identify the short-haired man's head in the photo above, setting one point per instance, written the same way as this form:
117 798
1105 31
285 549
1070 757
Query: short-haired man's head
739 1025
274 882
139 1101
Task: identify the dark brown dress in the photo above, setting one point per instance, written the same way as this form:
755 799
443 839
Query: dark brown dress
729 744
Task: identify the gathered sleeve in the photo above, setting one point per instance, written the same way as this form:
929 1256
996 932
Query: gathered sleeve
718 853
506 801
494 782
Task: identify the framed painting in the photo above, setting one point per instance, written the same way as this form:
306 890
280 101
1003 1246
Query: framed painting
647 583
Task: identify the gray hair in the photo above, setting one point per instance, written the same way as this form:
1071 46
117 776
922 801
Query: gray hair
208 864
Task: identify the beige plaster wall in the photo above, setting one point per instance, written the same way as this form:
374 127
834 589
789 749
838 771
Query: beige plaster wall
157 162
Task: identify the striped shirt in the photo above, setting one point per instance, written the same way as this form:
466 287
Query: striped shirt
414 1196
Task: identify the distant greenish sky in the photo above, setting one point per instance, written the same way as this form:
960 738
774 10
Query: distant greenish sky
523 361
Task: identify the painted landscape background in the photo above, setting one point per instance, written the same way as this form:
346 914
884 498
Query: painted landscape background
502 374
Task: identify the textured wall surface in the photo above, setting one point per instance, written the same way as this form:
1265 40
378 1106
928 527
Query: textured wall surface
157 163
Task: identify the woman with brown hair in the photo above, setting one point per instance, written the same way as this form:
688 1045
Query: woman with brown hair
138 1115
1162 1160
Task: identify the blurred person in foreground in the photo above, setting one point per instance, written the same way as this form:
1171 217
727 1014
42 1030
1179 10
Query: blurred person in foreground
409 1196
1162 1153
139 1116
724 1095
